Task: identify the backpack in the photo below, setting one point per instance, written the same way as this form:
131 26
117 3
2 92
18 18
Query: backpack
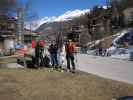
45 61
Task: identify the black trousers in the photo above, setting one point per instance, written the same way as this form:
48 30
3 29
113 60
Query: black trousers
70 59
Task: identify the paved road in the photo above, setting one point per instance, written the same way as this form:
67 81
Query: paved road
120 70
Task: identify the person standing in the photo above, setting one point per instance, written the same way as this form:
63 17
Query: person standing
61 56
70 51
37 55
53 53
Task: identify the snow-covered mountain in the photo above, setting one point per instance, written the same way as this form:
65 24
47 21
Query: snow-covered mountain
64 17
68 15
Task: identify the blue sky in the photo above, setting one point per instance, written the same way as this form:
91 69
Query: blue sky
58 7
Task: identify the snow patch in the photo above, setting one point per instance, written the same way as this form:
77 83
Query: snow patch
119 35
122 56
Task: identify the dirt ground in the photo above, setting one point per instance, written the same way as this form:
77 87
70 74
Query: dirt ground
45 84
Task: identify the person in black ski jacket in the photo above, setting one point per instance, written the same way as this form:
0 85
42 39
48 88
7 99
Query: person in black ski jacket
53 53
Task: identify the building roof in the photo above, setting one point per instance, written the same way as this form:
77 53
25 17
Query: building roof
8 18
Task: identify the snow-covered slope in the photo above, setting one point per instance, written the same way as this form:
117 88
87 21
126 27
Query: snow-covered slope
123 36
119 39
122 53
118 36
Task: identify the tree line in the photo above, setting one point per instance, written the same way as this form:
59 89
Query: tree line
105 21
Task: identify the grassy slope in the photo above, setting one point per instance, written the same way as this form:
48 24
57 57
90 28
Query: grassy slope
17 84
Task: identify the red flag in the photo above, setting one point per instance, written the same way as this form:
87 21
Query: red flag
33 44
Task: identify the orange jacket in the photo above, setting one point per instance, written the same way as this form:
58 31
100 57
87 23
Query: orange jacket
70 48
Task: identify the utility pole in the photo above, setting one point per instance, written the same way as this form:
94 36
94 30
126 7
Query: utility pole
30 32
107 3
59 35
20 24
116 14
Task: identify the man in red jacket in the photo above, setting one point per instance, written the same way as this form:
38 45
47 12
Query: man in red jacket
70 51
